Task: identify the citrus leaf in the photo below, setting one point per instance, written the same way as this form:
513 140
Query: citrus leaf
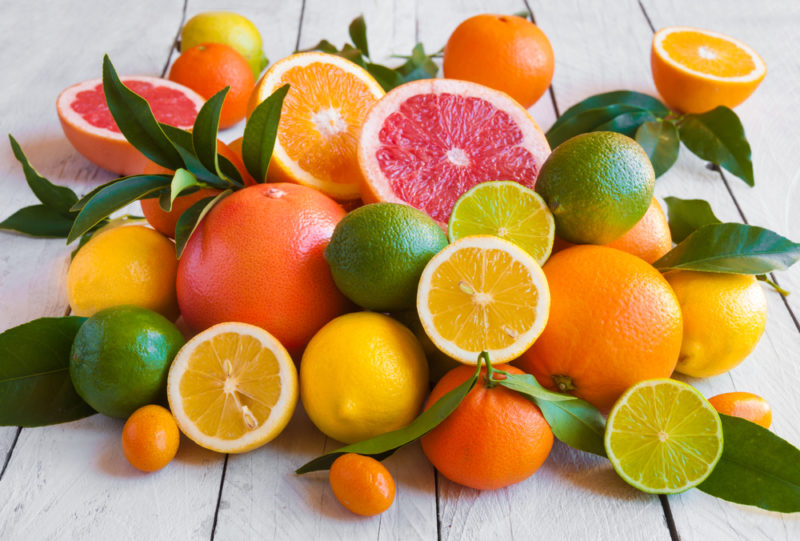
530 387
688 215
576 423
352 54
756 468
586 121
358 33
731 248
324 46
260 133
192 217
181 181
58 198
184 143
418 65
35 386
135 120
383 445
617 97
38 221
113 197
204 132
626 123
660 140
386 77
718 136
86 198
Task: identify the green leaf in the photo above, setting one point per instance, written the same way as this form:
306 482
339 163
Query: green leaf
113 197
260 133
687 215
358 33
756 468
181 181
191 218
86 198
731 248
324 46
352 54
626 123
386 443
38 221
184 142
418 65
204 133
58 198
575 422
618 97
660 140
718 136
35 386
586 121
530 387
135 120
386 77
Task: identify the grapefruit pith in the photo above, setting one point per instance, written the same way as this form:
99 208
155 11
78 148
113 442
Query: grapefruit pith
91 129
427 142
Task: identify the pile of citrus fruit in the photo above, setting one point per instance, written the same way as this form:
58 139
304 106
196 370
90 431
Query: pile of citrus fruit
465 234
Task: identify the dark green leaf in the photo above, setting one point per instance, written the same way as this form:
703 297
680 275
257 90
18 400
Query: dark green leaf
58 198
260 133
86 198
38 221
386 443
181 181
178 136
113 197
184 143
577 423
527 385
756 468
358 33
626 123
191 218
687 215
659 139
206 127
418 66
324 46
718 136
586 121
352 54
228 169
135 120
35 386
731 248
386 77
619 97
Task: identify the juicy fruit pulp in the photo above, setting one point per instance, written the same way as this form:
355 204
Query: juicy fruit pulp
232 388
427 142
663 437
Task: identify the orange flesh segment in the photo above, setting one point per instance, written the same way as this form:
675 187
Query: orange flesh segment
321 118
708 54
455 299
236 358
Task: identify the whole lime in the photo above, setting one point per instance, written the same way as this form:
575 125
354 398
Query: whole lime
121 357
598 186
378 251
228 28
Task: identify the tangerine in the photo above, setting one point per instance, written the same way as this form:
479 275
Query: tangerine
745 405
362 484
650 238
150 438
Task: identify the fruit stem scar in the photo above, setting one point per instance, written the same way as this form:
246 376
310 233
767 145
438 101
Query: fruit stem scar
275 193
564 383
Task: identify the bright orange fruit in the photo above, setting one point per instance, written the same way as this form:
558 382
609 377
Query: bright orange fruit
150 438
650 238
362 484
745 405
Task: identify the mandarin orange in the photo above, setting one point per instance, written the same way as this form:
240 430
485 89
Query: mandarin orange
362 484
650 238
745 405
150 438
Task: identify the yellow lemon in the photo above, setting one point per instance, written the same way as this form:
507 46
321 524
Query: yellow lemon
132 265
723 319
361 375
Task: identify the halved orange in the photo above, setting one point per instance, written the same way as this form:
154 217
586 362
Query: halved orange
696 70
321 118
483 293
232 388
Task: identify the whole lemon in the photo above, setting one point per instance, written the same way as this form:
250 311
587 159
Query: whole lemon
132 265
361 375
723 319
227 28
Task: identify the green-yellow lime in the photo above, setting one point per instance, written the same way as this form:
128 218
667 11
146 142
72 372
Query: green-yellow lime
228 28
663 437
507 210
598 186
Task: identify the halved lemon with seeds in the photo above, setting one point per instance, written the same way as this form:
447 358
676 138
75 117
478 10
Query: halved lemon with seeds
232 388
663 437
483 293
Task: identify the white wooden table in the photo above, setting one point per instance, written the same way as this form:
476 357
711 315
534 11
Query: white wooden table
72 482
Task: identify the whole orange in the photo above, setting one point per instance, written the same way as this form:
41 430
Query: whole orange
494 438
208 68
150 438
504 52
745 405
362 484
614 321
650 238
257 257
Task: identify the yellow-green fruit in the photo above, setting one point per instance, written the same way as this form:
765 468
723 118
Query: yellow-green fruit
132 265
723 319
228 28
361 375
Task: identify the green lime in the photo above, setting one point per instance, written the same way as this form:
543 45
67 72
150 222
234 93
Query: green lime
663 437
438 362
228 28
507 210
378 251
598 185
121 357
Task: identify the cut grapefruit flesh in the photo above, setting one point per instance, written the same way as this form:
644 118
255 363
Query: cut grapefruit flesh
427 142
91 129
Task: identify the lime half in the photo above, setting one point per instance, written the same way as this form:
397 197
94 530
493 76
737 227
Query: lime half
508 210
663 437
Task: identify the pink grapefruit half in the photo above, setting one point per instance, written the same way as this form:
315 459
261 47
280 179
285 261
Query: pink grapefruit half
91 129
427 142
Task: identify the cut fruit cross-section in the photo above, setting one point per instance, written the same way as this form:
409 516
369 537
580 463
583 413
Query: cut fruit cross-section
483 293
232 388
